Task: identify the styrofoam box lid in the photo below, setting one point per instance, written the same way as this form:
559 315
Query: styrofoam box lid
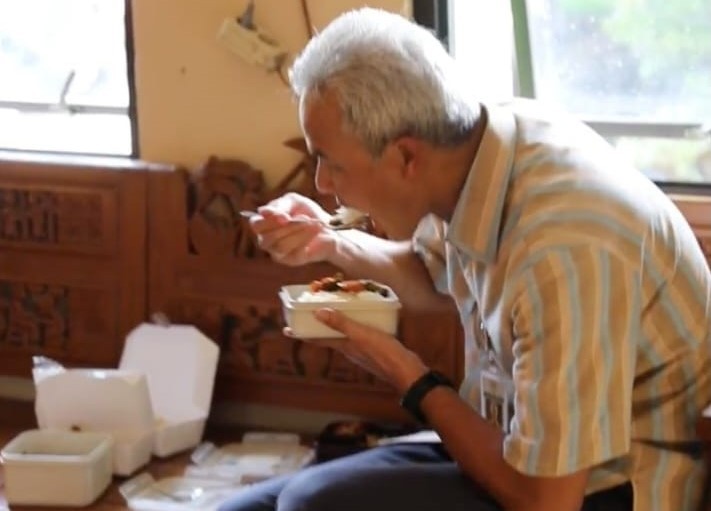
95 400
290 294
180 363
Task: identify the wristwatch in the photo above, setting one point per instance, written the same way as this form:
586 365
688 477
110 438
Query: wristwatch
412 399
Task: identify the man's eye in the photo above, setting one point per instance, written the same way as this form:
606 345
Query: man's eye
333 166
328 164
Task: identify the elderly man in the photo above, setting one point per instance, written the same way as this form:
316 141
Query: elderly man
582 291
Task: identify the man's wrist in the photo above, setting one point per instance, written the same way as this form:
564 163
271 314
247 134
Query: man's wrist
413 397
409 369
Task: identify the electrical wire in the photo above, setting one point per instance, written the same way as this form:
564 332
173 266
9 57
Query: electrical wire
283 77
307 18
309 28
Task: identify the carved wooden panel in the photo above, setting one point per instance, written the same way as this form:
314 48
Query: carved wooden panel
59 218
205 269
72 258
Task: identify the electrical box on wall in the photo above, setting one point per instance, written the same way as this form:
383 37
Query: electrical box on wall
251 44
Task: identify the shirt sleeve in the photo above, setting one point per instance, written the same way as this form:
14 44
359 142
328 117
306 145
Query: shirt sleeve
428 242
575 319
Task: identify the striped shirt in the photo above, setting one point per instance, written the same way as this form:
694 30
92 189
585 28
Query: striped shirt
596 300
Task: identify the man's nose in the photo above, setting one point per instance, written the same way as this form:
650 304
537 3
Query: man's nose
323 181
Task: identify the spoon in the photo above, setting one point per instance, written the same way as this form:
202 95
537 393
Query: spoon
332 224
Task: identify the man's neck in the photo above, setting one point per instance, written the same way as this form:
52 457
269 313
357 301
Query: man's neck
451 167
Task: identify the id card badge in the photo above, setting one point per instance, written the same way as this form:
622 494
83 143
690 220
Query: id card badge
496 398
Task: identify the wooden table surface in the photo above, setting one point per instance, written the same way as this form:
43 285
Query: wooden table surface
18 416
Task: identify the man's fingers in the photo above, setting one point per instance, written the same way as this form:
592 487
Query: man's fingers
288 237
323 342
332 318
342 323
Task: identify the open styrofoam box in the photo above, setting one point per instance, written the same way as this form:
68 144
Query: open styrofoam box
380 313
57 468
157 402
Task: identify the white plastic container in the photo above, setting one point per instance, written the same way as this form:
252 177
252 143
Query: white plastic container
56 468
100 400
379 313
180 363
156 403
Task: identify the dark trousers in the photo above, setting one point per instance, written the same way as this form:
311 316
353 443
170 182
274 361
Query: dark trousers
408 477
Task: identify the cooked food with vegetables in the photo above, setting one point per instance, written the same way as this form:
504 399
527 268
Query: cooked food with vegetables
337 288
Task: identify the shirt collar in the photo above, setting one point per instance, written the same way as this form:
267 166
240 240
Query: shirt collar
476 221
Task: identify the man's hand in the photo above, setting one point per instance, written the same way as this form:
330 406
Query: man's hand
377 352
292 229
476 445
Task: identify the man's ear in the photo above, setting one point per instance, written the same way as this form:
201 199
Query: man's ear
408 149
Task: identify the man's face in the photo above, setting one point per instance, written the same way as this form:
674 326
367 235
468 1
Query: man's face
347 170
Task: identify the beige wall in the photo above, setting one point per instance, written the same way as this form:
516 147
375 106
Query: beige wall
195 98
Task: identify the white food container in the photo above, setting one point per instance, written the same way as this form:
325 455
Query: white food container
100 400
180 364
56 468
156 403
379 313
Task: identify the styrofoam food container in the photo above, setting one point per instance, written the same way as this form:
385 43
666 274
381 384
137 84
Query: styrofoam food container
157 402
180 363
299 316
57 468
113 401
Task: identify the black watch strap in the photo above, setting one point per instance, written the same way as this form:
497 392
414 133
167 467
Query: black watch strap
413 397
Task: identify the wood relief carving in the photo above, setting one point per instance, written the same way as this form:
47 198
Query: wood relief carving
34 315
301 177
50 218
224 187
252 344
221 189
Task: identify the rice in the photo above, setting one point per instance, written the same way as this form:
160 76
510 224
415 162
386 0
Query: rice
338 296
346 216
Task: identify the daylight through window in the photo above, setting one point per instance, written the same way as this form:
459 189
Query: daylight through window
638 72
64 84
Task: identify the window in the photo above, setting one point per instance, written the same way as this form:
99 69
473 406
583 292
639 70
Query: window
639 72
64 85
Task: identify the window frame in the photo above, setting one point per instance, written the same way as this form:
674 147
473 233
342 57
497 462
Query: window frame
76 108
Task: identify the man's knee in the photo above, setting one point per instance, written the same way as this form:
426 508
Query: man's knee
310 490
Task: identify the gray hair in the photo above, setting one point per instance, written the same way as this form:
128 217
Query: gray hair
392 78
